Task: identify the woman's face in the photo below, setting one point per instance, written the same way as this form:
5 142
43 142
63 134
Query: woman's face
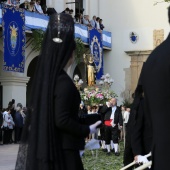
123 108
88 108
128 109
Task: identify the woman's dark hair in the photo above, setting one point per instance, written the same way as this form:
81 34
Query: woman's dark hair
100 20
97 19
169 14
13 101
41 147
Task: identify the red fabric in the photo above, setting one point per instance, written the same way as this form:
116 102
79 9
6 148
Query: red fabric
108 122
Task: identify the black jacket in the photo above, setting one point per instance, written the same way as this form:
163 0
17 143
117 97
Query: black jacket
141 131
67 101
1 119
156 84
107 111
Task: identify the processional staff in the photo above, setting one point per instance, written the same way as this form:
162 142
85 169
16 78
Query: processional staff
148 164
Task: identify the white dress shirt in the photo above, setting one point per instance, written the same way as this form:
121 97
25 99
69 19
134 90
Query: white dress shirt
97 25
113 115
38 8
7 119
93 23
126 116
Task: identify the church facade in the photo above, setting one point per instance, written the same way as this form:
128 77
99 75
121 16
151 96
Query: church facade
137 27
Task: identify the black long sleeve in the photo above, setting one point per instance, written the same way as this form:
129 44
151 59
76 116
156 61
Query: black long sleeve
66 116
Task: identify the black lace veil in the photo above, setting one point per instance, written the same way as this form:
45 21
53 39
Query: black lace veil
40 144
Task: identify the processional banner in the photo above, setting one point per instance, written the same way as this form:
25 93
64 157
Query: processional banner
14 39
96 49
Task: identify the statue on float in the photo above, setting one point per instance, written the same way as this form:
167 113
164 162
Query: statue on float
90 70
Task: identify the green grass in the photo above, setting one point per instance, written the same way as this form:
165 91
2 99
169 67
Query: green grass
98 160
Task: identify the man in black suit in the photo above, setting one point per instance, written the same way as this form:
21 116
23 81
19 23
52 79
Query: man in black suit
112 117
156 85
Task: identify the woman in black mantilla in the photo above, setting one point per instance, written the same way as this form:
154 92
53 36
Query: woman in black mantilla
52 135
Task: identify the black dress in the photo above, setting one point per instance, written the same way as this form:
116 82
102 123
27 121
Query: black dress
67 101
141 132
156 84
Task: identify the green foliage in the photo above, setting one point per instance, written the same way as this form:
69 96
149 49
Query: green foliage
127 103
80 49
98 160
166 0
38 36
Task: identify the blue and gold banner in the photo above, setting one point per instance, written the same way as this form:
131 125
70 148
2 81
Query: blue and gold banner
96 48
13 23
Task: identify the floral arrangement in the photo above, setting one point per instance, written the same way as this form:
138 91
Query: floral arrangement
95 96
98 94
78 82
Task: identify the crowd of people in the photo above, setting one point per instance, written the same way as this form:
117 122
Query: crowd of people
35 6
32 6
12 120
114 121
95 22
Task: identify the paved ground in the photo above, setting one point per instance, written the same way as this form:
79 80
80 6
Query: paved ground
8 154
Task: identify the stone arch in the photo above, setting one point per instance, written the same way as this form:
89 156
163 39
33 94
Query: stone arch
132 74
30 55
30 74
77 69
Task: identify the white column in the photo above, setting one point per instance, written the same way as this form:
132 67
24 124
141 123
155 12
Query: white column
59 5
93 8
86 7
14 88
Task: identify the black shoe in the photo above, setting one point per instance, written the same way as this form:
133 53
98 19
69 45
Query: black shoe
108 153
113 150
117 153
104 150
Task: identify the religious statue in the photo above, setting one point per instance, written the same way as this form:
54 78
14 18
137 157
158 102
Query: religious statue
90 70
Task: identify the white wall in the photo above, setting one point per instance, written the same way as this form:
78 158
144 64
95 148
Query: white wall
122 17
93 8
60 5
16 92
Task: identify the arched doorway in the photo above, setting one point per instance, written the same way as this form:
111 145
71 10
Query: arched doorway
30 73
79 4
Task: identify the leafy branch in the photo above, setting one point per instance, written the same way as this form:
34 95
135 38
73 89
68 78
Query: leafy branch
38 36
80 49
157 2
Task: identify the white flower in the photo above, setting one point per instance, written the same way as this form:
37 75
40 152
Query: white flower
111 80
85 98
103 77
101 82
80 82
107 75
106 80
85 89
76 77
